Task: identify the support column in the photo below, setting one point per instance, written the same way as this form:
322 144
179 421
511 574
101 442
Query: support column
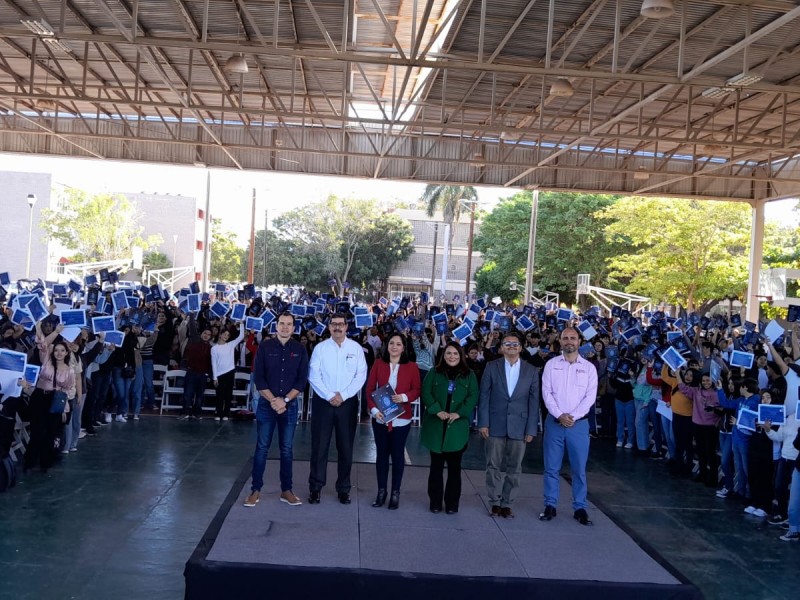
756 257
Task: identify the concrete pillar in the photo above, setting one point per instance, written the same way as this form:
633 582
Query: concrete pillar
756 256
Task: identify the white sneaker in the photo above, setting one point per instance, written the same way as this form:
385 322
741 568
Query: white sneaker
121 419
135 417
224 418
108 418
750 510
218 419
628 446
793 536
759 513
82 434
619 444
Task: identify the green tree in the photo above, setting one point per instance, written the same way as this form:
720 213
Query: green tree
683 251
226 257
450 199
156 260
96 227
569 241
349 240
287 262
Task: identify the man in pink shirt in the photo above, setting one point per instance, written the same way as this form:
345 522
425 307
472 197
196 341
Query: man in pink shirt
569 390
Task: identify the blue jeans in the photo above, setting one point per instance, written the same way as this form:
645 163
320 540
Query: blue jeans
740 451
194 386
642 427
266 422
136 392
575 440
122 388
626 414
148 390
666 428
794 503
726 458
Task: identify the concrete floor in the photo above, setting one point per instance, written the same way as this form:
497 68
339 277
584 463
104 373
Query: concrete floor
120 517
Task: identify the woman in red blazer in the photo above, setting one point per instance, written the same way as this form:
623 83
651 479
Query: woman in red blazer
394 368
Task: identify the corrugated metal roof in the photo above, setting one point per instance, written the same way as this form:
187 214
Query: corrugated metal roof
457 117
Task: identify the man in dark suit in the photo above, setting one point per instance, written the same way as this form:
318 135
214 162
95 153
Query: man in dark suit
508 417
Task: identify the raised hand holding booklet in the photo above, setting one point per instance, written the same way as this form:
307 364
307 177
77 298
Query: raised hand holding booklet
382 397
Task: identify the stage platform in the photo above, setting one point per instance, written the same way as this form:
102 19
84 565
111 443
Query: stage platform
356 551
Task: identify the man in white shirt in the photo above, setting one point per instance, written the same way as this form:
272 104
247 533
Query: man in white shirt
337 372
508 418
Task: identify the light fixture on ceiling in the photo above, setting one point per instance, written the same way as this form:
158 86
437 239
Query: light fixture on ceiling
561 87
236 64
478 160
716 92
744 80
39 27
657 9
46 105
641 175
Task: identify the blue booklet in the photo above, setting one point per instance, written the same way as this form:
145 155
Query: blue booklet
742 359
254 324
747 419
774 413
382 397
220 309
237 314
115 337
73 318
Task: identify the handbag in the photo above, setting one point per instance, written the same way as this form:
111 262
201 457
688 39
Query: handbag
58 402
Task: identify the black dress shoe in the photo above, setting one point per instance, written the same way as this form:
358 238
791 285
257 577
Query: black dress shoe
581 517
548 514
344 498
394 501
451 510
380 498
436 509
313 497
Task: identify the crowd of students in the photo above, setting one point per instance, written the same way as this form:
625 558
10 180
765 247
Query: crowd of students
686 416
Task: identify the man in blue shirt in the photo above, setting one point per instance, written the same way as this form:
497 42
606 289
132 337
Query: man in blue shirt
280 375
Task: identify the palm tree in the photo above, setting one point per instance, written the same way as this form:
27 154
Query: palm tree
448 198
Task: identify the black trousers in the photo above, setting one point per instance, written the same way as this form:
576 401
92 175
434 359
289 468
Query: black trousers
46 430
390 444
705 440
325 419
436 486
225 393
682 430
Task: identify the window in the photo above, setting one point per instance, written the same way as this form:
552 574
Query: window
198 245
201 214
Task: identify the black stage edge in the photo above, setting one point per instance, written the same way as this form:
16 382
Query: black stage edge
215 580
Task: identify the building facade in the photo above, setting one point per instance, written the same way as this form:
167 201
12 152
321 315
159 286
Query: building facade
14 189
423 270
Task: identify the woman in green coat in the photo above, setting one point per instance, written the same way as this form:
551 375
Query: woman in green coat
449 394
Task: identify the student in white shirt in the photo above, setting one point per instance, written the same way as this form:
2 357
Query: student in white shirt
223 368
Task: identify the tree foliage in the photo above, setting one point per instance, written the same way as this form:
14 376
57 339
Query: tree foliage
287 262
96 227
347 240
569 241
683 251
226 257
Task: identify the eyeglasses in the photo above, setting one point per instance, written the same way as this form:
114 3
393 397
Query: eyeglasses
511 344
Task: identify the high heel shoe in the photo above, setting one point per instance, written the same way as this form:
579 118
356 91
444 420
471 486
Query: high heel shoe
394 501
380 498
